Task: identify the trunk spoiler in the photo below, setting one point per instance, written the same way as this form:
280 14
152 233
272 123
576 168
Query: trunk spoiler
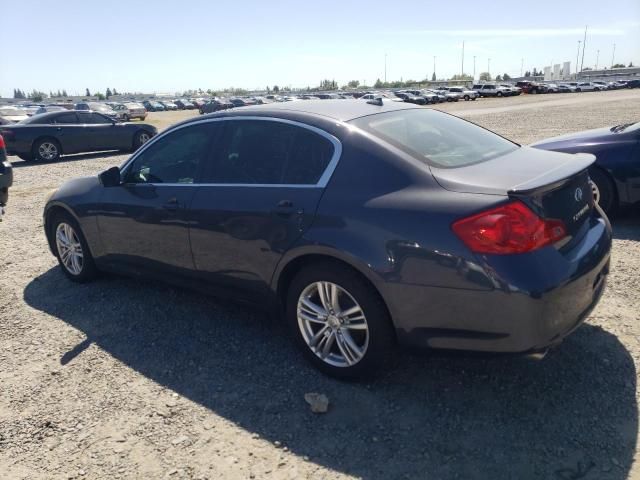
552 179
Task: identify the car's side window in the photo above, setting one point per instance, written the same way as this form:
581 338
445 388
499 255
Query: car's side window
174 158
65 118
270 153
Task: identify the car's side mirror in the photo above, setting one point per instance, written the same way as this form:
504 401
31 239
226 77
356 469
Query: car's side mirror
111 177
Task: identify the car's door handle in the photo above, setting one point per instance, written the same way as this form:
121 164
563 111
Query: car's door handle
285 208
172 204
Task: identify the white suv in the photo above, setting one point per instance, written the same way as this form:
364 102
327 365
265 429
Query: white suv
464 92
491 90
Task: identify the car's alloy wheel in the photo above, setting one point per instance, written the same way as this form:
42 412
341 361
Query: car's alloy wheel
48 151
332 324
144 138
69 249
596 191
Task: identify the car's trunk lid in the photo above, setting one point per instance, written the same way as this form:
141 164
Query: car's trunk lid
554 185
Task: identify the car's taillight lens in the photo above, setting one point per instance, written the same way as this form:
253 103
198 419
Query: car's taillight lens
2 145
508 229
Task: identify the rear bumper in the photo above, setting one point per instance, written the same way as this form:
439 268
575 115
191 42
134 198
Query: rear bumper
537 300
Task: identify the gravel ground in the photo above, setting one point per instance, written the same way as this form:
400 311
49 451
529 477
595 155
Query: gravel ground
128 379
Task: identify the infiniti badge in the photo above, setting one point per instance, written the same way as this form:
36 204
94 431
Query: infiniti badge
578 194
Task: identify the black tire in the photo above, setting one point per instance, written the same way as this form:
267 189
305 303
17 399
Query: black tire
381 334
88 269
466 98
499 94
125 118
140 138
43 145
608 196
578 89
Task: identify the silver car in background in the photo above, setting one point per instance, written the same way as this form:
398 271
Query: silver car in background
130 110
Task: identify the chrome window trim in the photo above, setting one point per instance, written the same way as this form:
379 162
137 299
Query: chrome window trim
321 183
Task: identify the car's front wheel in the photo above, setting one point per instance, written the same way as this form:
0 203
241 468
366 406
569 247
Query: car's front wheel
71 249
338 321
604 193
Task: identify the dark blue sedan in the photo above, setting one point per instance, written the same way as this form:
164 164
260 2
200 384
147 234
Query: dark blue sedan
616 172
365 223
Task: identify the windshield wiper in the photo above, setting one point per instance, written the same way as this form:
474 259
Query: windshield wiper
620 128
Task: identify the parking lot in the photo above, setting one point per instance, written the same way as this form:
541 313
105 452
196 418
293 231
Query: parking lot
127 379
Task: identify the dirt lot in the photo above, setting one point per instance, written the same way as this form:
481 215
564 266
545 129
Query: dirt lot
124 379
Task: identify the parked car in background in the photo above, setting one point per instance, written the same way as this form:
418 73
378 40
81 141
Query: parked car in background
552 88
512 89
184 104
47 136
152 106
616 171
50 108
215 105
633 83
531 87
587 87
100 108
129 111
602 85
168 105
491 90
410 98
30 108
239 102
9 115
390 96
566 88
441 97
449 219
6 177
464 93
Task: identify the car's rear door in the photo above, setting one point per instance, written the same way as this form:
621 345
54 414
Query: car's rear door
143 222
261 193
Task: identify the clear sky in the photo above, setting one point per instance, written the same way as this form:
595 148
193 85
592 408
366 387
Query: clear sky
169 46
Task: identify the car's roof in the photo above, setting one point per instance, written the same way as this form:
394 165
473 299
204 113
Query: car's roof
342 110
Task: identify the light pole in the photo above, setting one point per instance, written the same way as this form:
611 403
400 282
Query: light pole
521 66
597 58
584 45
489 67
578 56
474 68
434 66
385 68
462 70
613 55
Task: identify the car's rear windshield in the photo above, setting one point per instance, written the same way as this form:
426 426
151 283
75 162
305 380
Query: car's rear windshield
436 138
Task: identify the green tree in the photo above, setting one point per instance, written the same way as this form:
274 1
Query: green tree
433 77
87 93
276 88
485 76
353 83
64 93
108 93
506 77
498 78
99 96
37 96
115 92
378 84
618 65
630 64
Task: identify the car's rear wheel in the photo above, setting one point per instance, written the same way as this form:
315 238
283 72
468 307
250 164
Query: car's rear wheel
140 138
499 94
46 150
71 249
604 193
125 118
338 321
467 97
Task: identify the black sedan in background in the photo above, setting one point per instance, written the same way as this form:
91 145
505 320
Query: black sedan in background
47 136
369 224
615 175
215 105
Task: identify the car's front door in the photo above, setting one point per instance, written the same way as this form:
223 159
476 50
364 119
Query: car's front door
143 221
260 193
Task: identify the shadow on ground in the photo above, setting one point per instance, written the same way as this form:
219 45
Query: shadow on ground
571 416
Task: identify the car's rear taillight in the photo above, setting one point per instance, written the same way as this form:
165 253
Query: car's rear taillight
2 144
508 229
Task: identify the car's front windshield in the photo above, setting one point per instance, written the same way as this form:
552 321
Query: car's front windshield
436 138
